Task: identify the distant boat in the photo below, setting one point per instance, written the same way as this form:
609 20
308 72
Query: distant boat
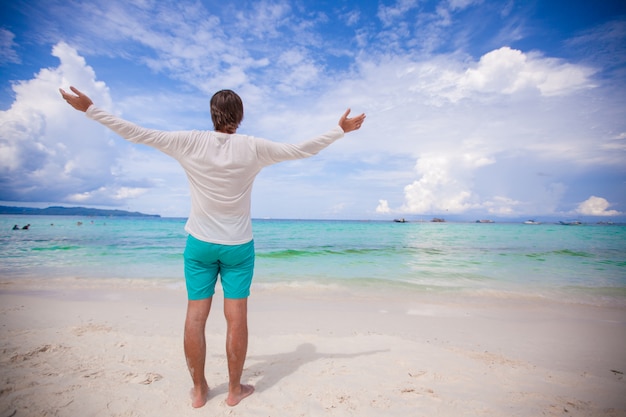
570 223
400 220
531 222
438 220
485 221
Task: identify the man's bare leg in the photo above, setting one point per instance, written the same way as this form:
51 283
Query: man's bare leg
236 313
195 348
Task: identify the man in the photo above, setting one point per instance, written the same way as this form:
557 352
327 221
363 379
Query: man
221 166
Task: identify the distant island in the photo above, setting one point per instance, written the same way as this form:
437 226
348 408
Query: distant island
72 211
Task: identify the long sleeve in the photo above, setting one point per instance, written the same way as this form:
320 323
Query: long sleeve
270 152
171 143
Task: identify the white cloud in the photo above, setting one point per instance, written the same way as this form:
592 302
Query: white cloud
462 4
352 17
264 18
458 117
616 143
105 195
124 193
7 48
596 206
508 71
602 45
501 206
390 14
383 207
51 152
298 71
337 208
444 186
34 133
204 47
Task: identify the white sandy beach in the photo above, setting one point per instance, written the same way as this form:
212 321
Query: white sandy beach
79 347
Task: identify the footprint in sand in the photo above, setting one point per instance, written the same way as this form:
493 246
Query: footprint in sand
91 327
144 379
20 357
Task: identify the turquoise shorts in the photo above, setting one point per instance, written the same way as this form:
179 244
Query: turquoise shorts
204 261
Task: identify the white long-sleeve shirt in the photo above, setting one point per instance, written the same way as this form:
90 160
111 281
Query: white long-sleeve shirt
221 169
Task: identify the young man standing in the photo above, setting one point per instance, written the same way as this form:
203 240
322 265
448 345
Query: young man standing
221 166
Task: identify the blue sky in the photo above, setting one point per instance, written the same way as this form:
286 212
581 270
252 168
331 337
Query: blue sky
475 109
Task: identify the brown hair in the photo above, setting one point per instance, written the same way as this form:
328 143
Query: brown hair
226 111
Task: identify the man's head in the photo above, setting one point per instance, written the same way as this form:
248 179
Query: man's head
226 111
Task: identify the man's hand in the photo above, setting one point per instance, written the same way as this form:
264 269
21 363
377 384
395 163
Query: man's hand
79 101
350 124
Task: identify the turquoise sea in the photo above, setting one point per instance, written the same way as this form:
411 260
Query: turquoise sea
585 263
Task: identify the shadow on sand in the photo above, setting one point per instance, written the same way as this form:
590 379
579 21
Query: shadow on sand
273 368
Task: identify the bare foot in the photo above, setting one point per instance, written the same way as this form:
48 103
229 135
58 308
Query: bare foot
234 399
199 397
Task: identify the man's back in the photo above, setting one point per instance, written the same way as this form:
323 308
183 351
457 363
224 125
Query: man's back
221 169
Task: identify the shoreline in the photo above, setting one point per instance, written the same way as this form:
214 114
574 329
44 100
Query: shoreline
490 292
114 347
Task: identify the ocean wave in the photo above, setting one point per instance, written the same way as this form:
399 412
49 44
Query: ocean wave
291 253
335 251
56 247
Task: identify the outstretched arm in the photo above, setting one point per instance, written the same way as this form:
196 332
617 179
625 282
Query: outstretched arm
273 152
350 124
79 101
169 142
